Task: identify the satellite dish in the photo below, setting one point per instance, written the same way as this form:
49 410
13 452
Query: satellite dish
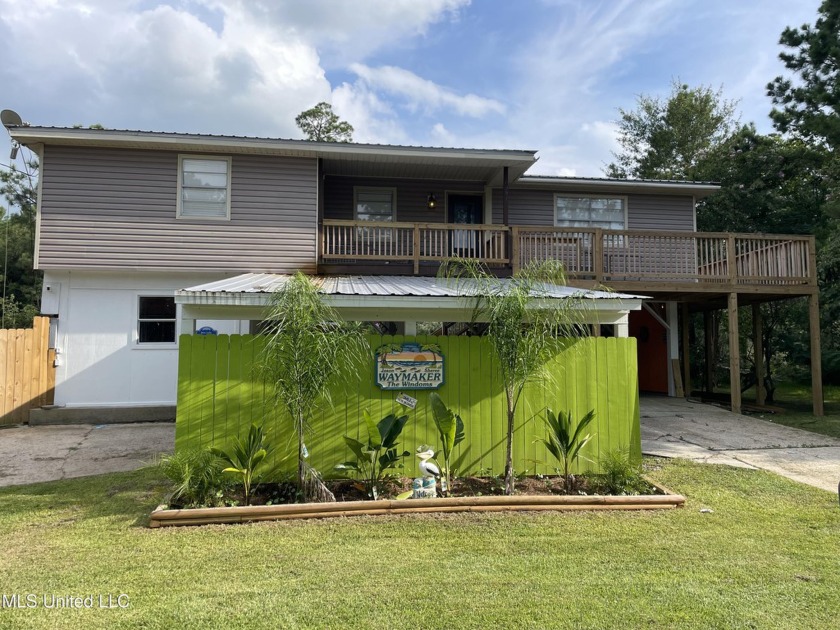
10 118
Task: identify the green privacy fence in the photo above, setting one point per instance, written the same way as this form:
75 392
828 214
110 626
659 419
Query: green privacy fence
219 396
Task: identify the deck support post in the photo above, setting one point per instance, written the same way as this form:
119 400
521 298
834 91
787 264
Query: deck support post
685 328
734 354
816 354
410 329
758 351
509 245
671 317
708 367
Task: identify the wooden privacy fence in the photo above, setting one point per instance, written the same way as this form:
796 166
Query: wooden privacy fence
27 373
219 396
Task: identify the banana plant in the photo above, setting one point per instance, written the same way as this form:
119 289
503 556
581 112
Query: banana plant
379 454
565 440
451 432
246 457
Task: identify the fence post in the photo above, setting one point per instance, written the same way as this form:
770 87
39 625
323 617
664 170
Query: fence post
731 259
416 249
514 251
598 255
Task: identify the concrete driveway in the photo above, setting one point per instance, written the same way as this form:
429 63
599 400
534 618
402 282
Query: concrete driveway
674 427
47 453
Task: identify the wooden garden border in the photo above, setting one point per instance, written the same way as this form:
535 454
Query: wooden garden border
205 516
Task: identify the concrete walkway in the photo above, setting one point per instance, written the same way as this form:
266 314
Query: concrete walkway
674 427
47 453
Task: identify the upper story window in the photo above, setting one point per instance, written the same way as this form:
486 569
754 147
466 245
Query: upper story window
203 187
156 319
375 204
608 213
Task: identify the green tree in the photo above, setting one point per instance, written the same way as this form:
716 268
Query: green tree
668 138
522 336
309 351
21 282
321 124
810 103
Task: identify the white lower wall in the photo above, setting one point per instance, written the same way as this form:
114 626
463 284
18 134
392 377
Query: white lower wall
99 362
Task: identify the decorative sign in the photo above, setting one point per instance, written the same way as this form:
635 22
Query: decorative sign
409 366
206 330
406 401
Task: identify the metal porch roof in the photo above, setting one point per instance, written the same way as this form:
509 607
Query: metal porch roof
383 286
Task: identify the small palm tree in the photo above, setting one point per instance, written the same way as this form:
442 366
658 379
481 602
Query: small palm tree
525 328
309 350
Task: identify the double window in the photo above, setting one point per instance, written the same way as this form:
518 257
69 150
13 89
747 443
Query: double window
156 319
590 212
203 187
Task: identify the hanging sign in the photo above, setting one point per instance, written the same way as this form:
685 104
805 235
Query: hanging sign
409 366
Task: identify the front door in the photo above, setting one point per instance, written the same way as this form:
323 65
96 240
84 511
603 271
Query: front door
464 209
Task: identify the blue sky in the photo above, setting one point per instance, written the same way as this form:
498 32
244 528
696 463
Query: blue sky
526 74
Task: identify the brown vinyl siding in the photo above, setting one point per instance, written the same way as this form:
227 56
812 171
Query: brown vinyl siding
412 197
644 212
115 208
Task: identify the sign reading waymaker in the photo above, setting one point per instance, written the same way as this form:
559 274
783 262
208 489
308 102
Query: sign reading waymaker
409 366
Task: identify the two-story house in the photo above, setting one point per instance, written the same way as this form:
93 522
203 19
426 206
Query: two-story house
145 235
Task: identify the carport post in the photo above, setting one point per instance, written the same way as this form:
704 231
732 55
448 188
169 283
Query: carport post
708 368
734 354
758 351
816 354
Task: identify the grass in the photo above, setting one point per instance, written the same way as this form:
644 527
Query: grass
766 557
795 399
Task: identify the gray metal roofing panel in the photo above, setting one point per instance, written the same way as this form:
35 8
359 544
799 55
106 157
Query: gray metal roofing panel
81 131
386 286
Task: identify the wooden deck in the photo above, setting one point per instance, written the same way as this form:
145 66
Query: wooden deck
657 262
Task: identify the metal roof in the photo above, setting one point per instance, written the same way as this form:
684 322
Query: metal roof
698 190
389 286
338 158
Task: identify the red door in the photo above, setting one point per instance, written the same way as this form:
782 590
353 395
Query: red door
652 343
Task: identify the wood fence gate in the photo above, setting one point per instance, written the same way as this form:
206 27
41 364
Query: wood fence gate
27 371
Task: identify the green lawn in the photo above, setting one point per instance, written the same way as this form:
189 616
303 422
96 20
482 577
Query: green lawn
767 557
795 399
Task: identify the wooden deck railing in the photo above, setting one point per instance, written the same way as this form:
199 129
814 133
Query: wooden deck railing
606 256
412 242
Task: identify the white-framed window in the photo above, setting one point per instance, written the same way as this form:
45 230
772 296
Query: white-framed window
590 211
156 319
203 187
375 204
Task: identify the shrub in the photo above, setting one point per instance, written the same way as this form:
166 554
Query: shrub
197 475
245 458
619 475
564 440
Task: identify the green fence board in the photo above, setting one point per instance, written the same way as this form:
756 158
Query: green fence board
220 394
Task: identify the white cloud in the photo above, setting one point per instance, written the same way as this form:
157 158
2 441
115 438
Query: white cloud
422 94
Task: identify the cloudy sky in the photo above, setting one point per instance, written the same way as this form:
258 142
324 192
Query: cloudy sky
524 74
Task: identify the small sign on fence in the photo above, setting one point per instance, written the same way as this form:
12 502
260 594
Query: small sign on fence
406 401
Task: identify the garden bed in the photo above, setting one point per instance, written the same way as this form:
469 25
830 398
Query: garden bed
665 499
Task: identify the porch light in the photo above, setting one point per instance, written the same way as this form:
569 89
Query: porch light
431 201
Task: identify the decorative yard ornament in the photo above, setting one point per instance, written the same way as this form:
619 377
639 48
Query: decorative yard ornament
426 467
425 486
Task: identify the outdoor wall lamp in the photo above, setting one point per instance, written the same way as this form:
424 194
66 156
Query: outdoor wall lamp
431 201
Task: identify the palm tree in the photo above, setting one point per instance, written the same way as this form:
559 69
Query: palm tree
309 350
525 330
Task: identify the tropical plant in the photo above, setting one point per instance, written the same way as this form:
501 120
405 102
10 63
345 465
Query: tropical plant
619 475
526 326
451 432
379 454
197 475
308 352
565 440
245 458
